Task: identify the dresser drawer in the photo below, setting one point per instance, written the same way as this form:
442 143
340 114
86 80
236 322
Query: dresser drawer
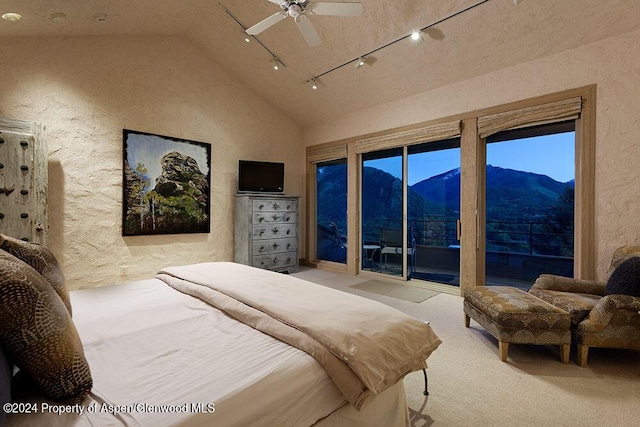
270 246
275 260
274 231
283 217
274 205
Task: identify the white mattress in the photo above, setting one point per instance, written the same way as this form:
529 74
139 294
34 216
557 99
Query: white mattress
149 345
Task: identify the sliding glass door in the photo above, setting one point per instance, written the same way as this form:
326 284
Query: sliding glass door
382 208
433 211
421 183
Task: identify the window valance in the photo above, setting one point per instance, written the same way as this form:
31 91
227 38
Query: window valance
414 136
567 109
323 154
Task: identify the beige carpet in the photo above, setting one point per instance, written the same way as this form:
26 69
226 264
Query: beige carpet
470 386
396 290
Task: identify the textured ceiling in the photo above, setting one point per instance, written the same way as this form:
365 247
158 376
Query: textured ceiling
494 35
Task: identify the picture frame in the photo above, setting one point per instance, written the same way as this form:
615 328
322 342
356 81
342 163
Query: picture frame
166 185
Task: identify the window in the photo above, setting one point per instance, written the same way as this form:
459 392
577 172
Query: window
530 185
331 211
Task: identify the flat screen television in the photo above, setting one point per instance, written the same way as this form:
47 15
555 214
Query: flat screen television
260 177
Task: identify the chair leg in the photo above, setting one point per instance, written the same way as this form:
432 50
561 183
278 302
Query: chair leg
583 352
565 351
504 350
426 384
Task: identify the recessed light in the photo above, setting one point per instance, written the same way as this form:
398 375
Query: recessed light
11 16
58 18
100 17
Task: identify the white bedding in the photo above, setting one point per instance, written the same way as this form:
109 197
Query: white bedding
149 345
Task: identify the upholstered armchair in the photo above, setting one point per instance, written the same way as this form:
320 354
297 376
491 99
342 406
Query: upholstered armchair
598 319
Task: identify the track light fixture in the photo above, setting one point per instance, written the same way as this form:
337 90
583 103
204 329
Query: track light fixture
276 64
313 83
361 61
416 35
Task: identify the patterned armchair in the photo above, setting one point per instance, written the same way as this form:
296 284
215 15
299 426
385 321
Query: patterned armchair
598 320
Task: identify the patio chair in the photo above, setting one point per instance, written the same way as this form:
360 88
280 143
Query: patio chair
391 243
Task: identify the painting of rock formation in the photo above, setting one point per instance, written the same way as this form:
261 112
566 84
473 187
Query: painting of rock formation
166 185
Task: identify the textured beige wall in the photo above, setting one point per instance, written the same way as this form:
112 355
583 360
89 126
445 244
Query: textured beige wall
613 65
86 90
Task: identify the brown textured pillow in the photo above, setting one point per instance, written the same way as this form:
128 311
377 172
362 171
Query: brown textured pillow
40 258
38 335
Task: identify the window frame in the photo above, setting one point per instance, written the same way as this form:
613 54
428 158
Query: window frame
473 155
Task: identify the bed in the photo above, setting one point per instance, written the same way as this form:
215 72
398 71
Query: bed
160 353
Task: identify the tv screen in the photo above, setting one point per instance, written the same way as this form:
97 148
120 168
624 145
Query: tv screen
260 177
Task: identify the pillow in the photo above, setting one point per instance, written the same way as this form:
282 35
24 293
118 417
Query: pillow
625 279
38 335
40 258
6 372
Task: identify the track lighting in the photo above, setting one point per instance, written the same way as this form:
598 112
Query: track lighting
313 83
276 64
361 61
415 35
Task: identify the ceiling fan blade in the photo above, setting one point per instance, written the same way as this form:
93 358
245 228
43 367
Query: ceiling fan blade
340 9
308 31
266 23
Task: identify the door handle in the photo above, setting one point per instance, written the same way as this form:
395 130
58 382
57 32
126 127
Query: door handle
458 229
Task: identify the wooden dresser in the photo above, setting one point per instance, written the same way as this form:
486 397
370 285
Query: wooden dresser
266 232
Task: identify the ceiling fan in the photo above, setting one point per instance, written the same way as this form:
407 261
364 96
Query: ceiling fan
299 9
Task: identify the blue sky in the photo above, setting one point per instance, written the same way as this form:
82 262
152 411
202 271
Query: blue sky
551 155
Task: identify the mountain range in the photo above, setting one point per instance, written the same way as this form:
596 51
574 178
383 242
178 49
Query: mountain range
511 195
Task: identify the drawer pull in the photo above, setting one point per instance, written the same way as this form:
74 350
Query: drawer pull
275 260
288 245
287 218
261 232
288 231
275 217
275 231
276 206
261 206
275 246
261 219
261 249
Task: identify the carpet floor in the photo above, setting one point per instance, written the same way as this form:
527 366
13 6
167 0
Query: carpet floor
470 386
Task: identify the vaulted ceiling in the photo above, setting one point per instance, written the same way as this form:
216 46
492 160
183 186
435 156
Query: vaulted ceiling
489 35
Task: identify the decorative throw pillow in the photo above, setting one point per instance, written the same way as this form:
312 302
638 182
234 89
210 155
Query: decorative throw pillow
6 372
38 335
625 279
40 258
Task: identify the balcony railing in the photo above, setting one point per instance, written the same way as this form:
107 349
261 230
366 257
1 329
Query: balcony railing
516 253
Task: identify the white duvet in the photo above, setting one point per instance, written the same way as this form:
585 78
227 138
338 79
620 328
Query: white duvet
159 357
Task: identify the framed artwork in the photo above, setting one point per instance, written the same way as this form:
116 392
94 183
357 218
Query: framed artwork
165 182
